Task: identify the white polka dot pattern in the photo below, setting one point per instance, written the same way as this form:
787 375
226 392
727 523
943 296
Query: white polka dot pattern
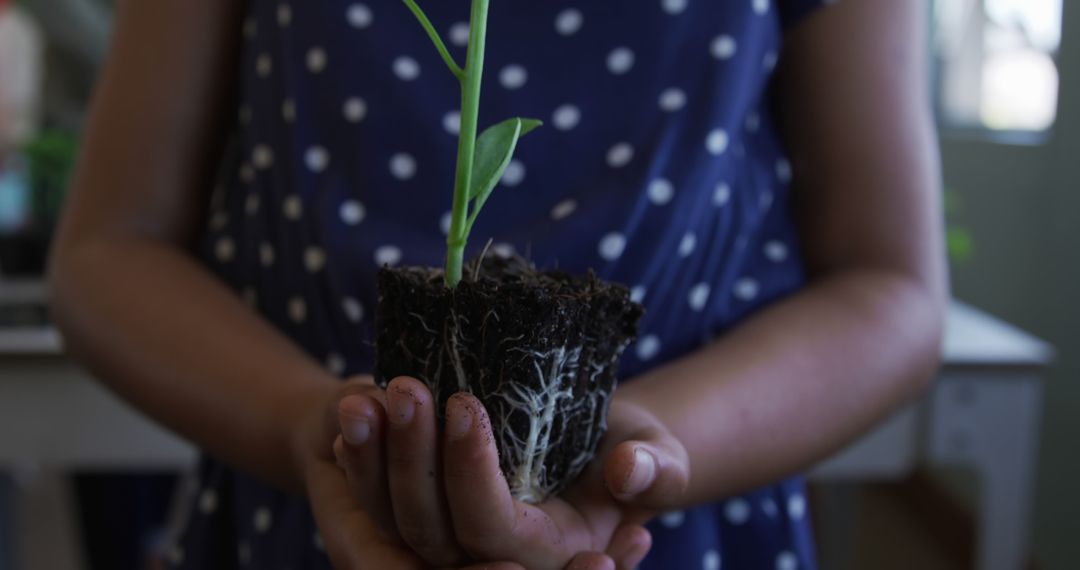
387 255
514 173
406 68
699 296
723 47
354 311
711 560
647 347
787 561
674 6
566 117
672 99
297 309
721 194
264 65
354 109
569 21
452 122
620 155
660 191
717 141
335 364
672 519
563 209
620 60
746 289
225 249
783 170
351 212
796 507
444 222
262 156
737 511
775 251
208 501
459 34
316 158
293 207
687 244
612 246
402 166
266 254
513 76
314 259
359 16
262 520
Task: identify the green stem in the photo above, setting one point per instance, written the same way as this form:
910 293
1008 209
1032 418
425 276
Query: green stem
470 110
435 39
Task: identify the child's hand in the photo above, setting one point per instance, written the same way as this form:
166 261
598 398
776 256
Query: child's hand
450 503
351 536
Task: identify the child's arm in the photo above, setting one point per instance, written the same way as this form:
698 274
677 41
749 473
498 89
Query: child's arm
801 379
128 294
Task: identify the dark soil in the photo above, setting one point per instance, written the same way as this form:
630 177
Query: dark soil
540 350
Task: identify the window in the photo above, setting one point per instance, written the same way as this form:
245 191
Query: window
996 72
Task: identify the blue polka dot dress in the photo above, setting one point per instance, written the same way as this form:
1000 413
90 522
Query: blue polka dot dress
660 166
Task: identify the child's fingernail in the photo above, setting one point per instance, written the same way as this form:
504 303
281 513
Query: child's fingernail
458 418
642 474
355 430
402 406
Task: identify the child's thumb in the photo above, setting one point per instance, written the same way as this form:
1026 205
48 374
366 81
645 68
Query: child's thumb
650 473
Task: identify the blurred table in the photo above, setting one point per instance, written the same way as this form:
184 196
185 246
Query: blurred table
53 419
983 412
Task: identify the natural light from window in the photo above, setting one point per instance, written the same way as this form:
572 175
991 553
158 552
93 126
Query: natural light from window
997 68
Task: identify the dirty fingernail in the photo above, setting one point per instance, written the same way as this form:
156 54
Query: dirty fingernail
458 418
642 474
355 430
402 406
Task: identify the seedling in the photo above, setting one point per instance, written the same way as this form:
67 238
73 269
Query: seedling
539 350
481 161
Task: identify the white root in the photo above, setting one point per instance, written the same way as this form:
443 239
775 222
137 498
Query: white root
545 405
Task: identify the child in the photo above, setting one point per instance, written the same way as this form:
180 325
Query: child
763 177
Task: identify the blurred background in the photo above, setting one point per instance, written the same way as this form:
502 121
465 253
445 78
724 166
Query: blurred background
983 473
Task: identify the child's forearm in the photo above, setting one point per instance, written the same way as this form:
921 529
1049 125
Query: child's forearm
805 376
167 336
148 319
797 382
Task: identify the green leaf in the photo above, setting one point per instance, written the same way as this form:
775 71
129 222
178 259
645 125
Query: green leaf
494 149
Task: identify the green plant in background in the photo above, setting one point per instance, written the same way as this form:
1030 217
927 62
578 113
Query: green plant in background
958 242
51 158
481 160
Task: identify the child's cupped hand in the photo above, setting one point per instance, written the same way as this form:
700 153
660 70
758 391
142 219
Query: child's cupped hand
443 499
350 534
